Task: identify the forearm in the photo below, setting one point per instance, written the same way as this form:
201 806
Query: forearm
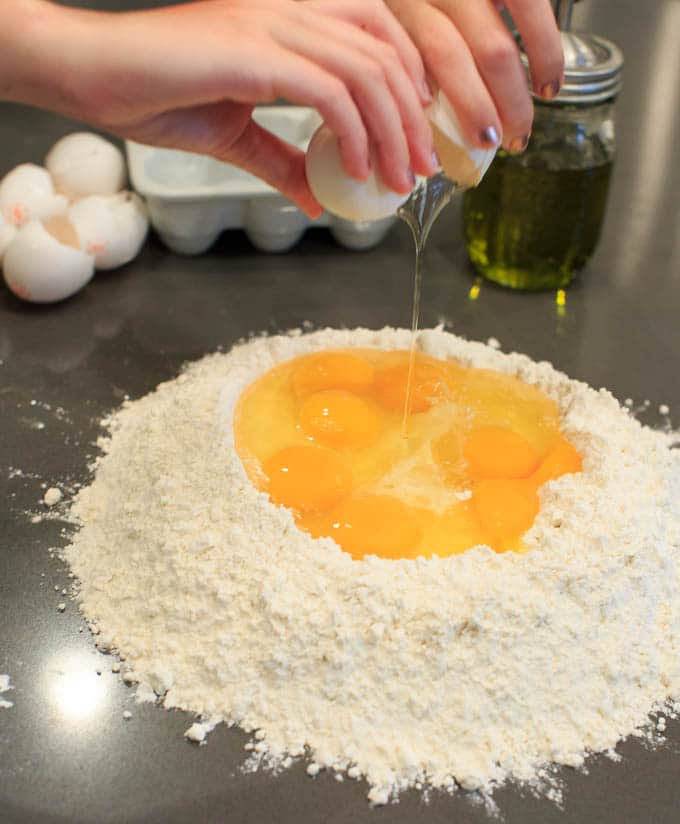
188 76
48 54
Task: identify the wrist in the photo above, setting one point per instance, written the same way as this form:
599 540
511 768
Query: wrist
49 55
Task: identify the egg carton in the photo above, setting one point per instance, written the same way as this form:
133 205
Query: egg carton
192 199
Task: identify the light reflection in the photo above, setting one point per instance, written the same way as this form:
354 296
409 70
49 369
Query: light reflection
475 289
656 150
75 689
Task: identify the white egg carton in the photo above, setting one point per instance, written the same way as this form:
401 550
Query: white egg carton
192 199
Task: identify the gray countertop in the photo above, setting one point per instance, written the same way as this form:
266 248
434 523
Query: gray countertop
66 755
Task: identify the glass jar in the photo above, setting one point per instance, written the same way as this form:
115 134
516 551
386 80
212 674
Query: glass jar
535 218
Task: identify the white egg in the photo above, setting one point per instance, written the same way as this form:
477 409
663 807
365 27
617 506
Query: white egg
44 263
7 232
85 164
460 161
27 193
341 194
112 228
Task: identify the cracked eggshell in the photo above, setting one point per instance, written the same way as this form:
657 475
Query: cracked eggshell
44 263
27 193
7 233
112 228
461 162
84 164
340 194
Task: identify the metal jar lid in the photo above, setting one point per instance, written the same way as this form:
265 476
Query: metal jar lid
592 69
592 65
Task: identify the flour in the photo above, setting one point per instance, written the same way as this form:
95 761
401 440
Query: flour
5 687
198 732
466 671
53 496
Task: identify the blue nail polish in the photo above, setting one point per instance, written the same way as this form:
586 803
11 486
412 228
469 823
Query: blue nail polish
490 135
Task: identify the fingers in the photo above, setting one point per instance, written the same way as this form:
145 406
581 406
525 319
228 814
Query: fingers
497 59
374 17
452 67
374 57
472 56
542 42
301 81
365 80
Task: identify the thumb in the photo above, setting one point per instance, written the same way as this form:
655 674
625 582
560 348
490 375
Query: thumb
278 163
227 132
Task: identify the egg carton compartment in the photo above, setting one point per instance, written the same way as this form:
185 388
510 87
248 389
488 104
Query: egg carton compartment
192 199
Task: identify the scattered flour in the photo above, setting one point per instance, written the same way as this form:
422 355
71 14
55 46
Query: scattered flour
52 496
199 731
5 686
467 671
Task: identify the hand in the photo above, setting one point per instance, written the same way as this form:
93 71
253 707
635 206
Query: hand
470 54
189 76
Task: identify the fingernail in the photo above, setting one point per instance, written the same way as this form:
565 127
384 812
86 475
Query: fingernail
490 135
426 92
551 90
436 162
518 144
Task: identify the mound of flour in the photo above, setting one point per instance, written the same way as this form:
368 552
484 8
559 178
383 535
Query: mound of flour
465 671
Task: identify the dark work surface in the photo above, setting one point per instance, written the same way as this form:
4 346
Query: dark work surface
66 755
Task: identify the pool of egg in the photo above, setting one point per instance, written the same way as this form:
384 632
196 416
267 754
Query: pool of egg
323 435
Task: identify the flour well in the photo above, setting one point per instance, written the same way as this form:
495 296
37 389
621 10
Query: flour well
465 672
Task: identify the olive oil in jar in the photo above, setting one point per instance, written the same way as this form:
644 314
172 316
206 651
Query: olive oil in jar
535 218
534 227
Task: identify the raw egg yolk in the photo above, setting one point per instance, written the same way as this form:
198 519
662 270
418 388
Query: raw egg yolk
427 387
374 525
562 459
505 508
453 532
307 478
497 452
339 419
333 370
322 435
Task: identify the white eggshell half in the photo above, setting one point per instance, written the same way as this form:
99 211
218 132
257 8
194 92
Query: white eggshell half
40 269
84 164
443 116
112 228
7 233
27 193
341 194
